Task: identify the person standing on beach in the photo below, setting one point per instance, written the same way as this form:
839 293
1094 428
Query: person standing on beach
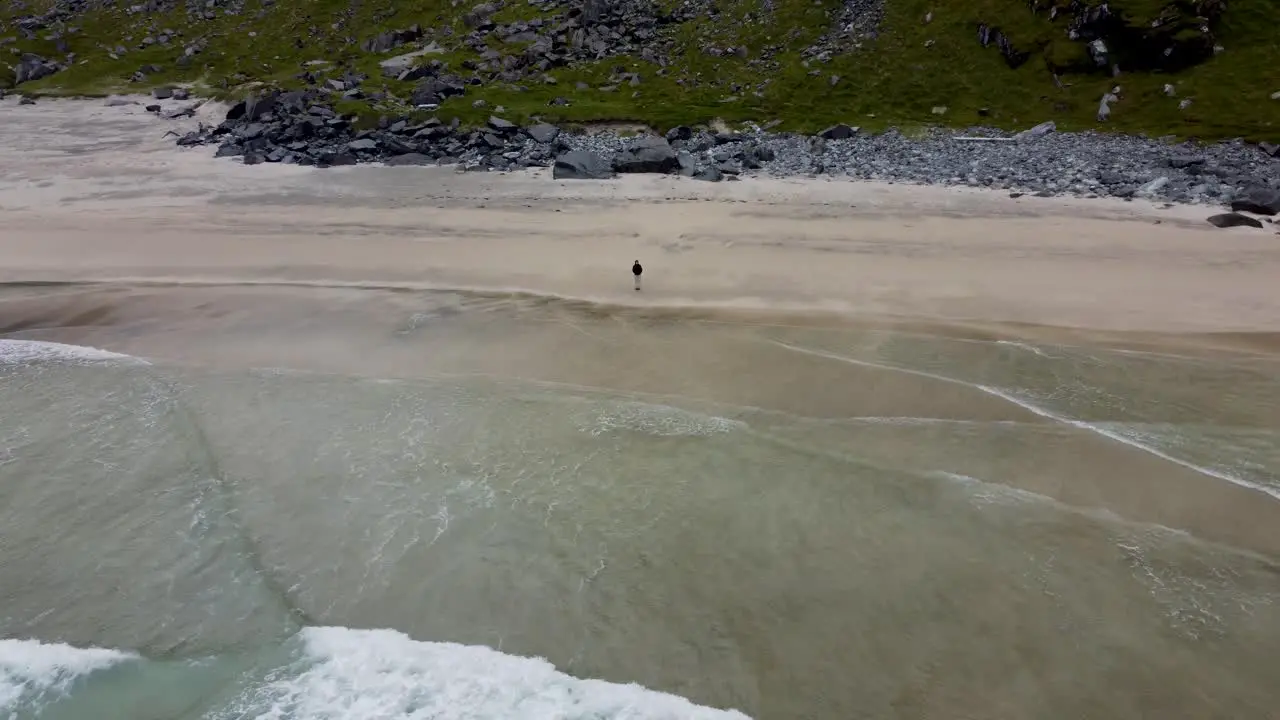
636 270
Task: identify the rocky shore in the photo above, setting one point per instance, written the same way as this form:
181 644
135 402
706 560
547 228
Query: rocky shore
300 128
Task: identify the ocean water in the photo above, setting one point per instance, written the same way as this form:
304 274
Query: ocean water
263 502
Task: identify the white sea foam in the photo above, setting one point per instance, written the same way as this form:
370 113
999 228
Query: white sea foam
368 674
651 419
1047 414
22 352
1024 346
32 672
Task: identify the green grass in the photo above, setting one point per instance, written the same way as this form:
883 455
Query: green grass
894 80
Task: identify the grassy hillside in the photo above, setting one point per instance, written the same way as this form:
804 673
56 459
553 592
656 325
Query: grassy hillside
727 59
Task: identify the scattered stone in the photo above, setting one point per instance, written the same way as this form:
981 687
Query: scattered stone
153 108
27 100
303 127
1233 219
162 93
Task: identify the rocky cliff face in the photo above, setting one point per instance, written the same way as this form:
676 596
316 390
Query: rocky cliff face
800 63
1114 36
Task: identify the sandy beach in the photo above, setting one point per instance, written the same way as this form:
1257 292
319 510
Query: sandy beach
99 193
993 457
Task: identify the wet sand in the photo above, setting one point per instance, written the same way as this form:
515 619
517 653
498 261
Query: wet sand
108 225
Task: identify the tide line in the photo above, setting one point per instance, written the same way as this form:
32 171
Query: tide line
1037 410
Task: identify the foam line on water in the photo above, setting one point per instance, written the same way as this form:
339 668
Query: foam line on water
22 352
32 671
1047 414
366 674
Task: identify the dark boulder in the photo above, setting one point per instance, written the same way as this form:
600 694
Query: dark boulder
838 132
648 154
252 107
383 42
33 67
581 165
1231 219
1014 56
1258 199
434 90
679 133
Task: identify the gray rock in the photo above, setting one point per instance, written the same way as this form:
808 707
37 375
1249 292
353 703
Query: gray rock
1153 187
501 125
1038 131
33 67
581 165
1232 219
709 174
162 93
408 159
1258 199
647 154
362 145
543 133
1185 161
688 165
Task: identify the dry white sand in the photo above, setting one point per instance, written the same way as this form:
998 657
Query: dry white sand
91 192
